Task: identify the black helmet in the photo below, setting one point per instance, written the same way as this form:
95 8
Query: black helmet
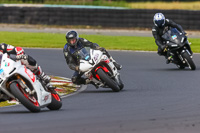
72 38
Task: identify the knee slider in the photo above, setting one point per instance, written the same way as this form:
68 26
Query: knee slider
74 79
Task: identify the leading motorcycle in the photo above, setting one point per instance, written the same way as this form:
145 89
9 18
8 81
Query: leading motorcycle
18 82
178 49
98 68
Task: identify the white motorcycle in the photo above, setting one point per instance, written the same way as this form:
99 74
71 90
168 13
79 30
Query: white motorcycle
18 82
97 67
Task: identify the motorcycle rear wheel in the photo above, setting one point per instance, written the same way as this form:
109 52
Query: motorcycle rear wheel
30 102
110 82
56 102
189 61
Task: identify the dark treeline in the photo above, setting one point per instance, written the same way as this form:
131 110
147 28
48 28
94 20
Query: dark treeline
158 0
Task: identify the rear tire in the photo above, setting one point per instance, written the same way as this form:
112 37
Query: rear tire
120 83
56 102
121 86
30 102
110 82
189 61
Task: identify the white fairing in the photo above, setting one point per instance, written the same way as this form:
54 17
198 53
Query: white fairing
9 68
85 66
96 57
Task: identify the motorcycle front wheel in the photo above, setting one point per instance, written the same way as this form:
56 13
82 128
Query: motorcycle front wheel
110 82
30 102
189 61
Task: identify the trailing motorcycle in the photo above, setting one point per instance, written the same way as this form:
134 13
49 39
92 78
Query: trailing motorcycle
18 82
97 67
178 49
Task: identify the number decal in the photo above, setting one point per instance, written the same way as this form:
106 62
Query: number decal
30 74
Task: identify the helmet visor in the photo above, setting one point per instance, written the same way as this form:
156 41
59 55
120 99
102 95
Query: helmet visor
160 23
72 41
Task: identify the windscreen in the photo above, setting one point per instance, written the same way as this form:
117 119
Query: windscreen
84 53
171 35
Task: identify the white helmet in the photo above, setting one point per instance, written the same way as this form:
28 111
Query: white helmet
159 20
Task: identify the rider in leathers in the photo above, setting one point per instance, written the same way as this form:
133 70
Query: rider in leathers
73 45
26 60
161 25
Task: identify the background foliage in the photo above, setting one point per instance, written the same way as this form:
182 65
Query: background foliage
87 1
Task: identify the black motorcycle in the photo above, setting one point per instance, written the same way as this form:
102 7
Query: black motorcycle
178 49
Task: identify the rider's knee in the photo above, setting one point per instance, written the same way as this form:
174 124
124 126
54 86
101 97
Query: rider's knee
74 79
31 61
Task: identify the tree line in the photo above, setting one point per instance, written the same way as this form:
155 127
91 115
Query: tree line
90 1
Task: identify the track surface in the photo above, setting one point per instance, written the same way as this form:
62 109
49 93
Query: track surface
156 98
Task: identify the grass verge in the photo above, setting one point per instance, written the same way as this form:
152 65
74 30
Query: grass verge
2 104
165 5
56 40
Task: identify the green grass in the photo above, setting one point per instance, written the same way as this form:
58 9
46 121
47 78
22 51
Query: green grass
166 5
24 39
56 40
120 3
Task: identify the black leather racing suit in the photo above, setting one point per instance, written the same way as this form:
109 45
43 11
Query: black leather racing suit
158 32
70 54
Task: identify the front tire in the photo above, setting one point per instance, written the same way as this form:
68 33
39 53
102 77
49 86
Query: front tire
189 61
110 82
30 102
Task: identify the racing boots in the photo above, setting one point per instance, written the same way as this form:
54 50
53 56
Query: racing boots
47 80
87 81
169 59
118 66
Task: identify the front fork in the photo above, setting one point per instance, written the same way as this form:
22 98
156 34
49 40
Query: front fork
23 85
183 51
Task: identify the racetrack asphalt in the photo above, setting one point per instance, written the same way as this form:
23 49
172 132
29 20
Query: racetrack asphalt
157 98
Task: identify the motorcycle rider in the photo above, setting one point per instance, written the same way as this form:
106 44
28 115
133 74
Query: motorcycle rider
26 60
161 25
74 43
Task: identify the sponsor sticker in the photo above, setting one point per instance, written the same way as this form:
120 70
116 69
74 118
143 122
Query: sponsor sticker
174 37
7 64
1 70
46 98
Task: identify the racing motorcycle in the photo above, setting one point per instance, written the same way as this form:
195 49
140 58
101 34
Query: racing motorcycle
18 82
99 69
178 49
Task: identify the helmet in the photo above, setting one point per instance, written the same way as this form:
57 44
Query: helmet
159 20
72 38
